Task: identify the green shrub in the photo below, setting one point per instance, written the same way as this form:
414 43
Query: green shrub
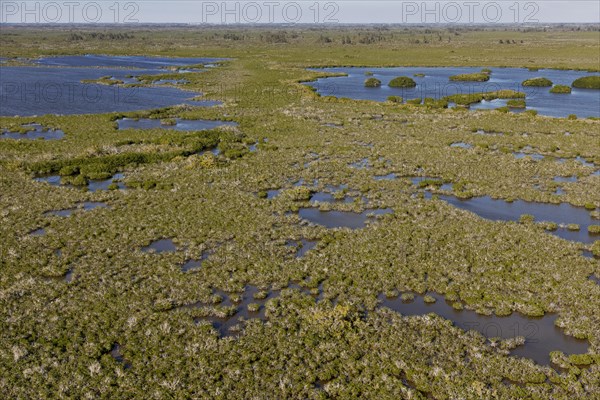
103 166
395 99
573 227
95 175
430 182
526 219
594 229
537 82
402 82
419 75
474 77
429 299
208 161
581 359
572 116
452 296
441 103
168 122
587 82
416 101
503 94
596 248
299 193
79 180
536 377
68 170
560 89
407 297
372 83
235 153
260 295
430 102
466 99
516 103
368 73
486 71
147 185
557 357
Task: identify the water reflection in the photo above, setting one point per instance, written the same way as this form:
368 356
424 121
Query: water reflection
541 335
581 102
85 206
562 214
160 246
115 182
62 85
33 132
302 247
177 124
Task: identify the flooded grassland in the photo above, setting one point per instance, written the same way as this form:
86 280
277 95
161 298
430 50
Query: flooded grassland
310 247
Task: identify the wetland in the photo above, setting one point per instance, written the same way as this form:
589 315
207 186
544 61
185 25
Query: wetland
234 233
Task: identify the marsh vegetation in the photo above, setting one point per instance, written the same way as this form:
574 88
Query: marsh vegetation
291 271
561 89
372 82
402 82
587 82
537 82
474 77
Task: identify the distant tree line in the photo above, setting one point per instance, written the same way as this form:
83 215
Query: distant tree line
74 37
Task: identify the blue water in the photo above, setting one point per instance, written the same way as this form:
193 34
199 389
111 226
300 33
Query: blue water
160 246
561 214
143 62
302 246
541 335
436 84
93 185
55 87
35 132
85 206
181 124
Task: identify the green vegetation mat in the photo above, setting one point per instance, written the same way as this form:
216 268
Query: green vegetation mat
402 82
87 314
588 82
561 89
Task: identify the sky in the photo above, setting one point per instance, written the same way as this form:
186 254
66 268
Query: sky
301 11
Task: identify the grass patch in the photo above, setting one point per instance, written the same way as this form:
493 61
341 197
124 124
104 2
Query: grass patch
560 89
587 82
395 99
537 82
402 82
467 99
474 77
372 83
516 103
